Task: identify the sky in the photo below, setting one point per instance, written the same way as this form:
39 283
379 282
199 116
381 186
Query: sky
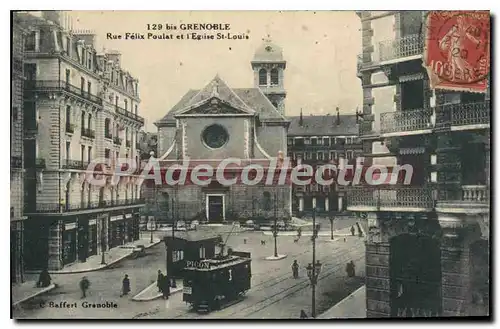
320 49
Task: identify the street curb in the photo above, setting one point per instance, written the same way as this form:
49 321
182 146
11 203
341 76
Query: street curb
158 296
46 289
100 267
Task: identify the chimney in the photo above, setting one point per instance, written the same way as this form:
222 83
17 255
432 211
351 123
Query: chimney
114 56
338 116
87 36
301 121
53 16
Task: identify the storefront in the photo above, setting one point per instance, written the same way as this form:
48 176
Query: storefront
83 238
69 243
116 231
92 236
135 221
129 225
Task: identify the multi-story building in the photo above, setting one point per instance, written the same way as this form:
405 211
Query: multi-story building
427 248
79 106
16 154
317 140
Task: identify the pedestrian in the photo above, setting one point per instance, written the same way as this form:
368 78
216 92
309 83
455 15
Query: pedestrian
84 286
165 287
303 314
353 230
159 280
125 286
350 269
44 279
295 269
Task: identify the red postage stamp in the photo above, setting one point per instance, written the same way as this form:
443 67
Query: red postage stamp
457 50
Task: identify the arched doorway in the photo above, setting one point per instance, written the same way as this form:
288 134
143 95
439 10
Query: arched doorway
415 276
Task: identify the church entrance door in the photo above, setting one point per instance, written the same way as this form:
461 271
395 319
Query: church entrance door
215 208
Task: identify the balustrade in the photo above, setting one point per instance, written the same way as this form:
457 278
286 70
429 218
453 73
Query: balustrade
406 46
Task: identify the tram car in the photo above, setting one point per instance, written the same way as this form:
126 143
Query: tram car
210 284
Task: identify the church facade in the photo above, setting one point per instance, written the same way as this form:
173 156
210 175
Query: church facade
218 122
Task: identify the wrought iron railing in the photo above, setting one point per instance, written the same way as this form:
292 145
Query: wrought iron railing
88 133
79 206
463 114
16 162
406 46
51 85
73 164
390 197
40 163
117 140
409 120
129 114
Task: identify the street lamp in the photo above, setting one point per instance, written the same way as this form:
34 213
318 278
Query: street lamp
314 268
313 273
331 227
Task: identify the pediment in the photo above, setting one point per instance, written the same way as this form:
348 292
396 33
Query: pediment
213 107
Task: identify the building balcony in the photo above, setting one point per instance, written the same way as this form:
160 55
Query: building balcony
70 128
464 116
40 163
129 114
59 85
127 143
82 206
117 140
16 162
389 198
401 48
465 199
74 164
86 132
418 121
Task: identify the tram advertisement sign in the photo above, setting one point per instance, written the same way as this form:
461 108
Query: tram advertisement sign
197 264
457 50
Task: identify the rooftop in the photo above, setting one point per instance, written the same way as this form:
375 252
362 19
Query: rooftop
313 125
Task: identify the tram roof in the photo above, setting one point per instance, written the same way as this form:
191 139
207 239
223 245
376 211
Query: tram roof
198 235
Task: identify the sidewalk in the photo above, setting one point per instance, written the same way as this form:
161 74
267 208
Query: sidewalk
151 292
111 256
27 290
351 307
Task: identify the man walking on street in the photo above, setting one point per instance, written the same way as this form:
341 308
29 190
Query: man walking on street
125 286
84 286
353 230
295 269
165 287
159 281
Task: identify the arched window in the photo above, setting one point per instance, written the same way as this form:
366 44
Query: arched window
274 77
107 124
266 202
262 77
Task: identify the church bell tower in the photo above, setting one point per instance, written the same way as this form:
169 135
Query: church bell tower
268 68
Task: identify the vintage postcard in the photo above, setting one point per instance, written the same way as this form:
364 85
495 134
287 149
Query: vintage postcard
250 164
